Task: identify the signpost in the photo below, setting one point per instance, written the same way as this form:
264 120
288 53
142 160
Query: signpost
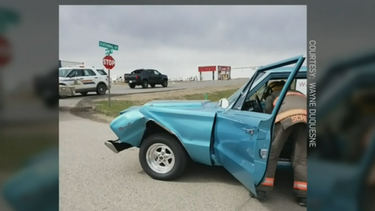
109 63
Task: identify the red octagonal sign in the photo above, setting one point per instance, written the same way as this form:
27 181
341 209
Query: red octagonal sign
109 62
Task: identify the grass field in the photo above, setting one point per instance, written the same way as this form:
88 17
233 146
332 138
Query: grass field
120 105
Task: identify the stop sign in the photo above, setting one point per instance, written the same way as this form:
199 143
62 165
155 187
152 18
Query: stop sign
5 54
109 62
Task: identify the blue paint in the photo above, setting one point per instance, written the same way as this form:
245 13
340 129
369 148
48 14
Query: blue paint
228 142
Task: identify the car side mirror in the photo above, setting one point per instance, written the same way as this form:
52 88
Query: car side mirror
223 103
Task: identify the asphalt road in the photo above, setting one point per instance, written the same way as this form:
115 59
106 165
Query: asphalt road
94 178
124 89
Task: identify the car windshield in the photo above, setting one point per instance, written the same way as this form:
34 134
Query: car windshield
101 71
234 96
64 72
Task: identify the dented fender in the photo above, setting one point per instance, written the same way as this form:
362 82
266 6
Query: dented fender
129 126
190 121
192 126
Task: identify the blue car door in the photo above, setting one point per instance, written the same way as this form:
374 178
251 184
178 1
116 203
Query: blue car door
242 139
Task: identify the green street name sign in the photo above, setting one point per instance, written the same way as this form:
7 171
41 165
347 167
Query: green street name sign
108 45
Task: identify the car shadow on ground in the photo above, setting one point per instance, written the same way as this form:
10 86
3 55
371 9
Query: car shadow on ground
283 182
281 198
198 173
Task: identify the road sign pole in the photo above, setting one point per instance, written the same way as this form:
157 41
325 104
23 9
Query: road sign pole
109 88
108 63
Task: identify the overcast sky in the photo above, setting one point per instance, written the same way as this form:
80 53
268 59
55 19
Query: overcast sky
178 39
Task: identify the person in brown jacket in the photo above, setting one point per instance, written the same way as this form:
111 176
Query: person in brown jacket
291 122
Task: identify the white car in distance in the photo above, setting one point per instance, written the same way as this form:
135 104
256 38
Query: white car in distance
84 80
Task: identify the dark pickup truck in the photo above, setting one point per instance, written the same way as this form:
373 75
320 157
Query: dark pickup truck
145 77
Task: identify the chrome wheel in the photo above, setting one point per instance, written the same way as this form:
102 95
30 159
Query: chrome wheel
160 158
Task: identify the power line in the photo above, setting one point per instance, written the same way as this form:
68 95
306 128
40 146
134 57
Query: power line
250 67
75 62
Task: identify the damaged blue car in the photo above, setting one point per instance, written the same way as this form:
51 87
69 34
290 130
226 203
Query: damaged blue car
234 133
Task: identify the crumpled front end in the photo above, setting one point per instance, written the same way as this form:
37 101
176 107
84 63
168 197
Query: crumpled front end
178 104
129 127
176 115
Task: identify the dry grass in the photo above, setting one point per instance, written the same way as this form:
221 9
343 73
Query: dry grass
121 103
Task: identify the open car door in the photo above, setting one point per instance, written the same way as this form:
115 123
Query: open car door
242 139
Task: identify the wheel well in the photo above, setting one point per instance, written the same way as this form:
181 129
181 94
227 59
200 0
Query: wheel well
152 128
101 83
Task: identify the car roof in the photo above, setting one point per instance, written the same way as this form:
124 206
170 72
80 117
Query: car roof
286 69
78 67
144 69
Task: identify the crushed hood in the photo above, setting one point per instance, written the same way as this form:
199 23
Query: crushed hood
175 104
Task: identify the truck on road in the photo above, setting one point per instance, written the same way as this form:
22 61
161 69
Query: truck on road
145 77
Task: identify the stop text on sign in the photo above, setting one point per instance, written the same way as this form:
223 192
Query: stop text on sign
109 62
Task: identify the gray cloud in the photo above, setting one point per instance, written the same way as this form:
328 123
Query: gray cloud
201 33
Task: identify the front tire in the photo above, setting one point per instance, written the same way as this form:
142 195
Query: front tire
162 157
101 89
